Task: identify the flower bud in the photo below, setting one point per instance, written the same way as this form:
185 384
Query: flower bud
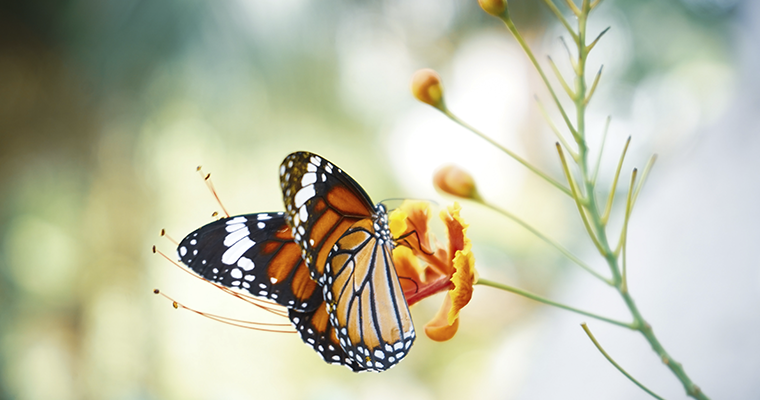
427 88
452 180
493 7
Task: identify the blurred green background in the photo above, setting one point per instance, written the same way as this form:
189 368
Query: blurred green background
107 107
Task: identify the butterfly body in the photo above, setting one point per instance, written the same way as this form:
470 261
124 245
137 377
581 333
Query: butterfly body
351 308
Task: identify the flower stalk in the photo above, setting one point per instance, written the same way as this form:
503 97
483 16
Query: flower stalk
583 184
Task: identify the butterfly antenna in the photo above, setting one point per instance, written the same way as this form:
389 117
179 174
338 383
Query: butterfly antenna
402 239
407 198
166 235
210 185
273 308
257 326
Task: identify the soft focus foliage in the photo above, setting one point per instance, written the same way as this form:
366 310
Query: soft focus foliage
107 107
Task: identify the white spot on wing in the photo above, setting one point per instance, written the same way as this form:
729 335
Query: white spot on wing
303 195
233 254
261 225
303 213
237 220
311 168
235 236
236 273
245 263
264 217
308 178
234 227
182 251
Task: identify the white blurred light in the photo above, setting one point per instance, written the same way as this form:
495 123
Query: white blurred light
375 66
486 87
267 17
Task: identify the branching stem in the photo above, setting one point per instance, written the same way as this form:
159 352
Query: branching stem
607 356
583 190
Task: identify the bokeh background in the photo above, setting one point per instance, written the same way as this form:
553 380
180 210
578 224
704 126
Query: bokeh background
107 107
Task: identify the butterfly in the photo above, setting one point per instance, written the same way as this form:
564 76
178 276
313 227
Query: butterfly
327 258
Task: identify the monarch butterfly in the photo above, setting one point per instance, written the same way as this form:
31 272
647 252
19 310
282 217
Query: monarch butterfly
327 259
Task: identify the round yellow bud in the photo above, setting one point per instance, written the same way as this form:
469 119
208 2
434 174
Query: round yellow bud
453 180
427 87
493 7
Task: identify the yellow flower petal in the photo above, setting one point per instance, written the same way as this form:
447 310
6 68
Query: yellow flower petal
439 328
416 220
397 222
464 278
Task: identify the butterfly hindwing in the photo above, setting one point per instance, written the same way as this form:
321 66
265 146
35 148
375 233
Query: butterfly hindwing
315 330
254 252
321 203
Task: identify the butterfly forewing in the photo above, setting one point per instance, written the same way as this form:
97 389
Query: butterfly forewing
255 252
365 300
321 203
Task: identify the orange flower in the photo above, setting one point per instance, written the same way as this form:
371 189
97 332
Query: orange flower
450 268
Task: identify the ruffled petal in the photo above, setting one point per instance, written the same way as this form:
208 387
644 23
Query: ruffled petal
464 278
455 227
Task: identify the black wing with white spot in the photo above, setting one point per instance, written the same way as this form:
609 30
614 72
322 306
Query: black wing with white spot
321 203
255 252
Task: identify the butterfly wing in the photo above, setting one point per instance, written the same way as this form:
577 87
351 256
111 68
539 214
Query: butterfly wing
365 300
346 243
321 203
255 252
315 330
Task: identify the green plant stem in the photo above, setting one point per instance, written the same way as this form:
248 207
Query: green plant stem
644 176
587 205
509 152
579 200
544 300
607 356
513 30
556 131
624 231
561 18
601 150
611 197
546 239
